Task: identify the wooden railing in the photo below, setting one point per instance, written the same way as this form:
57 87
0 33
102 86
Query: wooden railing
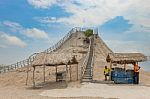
93 49
28 61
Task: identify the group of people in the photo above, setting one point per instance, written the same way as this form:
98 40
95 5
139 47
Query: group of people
135 77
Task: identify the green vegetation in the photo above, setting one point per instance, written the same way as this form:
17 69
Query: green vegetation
88 32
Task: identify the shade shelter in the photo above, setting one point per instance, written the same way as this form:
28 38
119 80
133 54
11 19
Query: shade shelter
53 60
125 58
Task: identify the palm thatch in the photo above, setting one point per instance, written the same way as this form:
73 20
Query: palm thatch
53 59
126 58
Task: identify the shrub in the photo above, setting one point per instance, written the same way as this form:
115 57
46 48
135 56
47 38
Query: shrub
88 32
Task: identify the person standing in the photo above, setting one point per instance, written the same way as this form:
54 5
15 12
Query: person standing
106 72
136 73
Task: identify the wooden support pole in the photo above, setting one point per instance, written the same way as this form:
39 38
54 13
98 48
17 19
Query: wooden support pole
21 63
77 72
17 64
33 76
110 70
56 73
27 72
44 72
124 66
8 68
70 72
66 71
27 75
66 75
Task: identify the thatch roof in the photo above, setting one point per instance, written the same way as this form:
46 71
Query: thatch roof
53 59
126 58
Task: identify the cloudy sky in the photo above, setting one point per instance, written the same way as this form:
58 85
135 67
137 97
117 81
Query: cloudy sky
28 26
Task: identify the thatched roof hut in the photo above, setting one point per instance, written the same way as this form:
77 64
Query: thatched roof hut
125 58
53 59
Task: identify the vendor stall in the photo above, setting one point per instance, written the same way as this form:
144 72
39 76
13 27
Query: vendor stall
122 74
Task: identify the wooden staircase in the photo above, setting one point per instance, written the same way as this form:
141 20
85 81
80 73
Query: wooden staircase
88 73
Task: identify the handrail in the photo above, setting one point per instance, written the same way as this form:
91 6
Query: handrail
31 58
93 59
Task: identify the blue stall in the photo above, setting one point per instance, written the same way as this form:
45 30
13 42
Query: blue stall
122 75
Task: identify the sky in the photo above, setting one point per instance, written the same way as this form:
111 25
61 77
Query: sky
29 26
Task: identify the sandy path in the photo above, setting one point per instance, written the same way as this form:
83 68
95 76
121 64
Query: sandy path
102 90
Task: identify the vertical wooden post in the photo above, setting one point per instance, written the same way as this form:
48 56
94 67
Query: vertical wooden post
124 66
70 72
21 63
44 72
27 72
56 73
8 68
110 70
27 75
33 76
66 72
77 71
17 64
66 76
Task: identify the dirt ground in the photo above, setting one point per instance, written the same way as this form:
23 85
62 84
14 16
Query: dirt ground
13 86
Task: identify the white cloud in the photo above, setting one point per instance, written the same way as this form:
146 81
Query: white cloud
11 40
13 26
32 33
96 12
41 3
89 12
47 19
35 33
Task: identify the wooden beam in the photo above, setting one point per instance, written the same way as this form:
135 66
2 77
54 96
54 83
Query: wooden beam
70 72
44 73
27 75
33 76
66 75
110 70
77 72
56 73
124 66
